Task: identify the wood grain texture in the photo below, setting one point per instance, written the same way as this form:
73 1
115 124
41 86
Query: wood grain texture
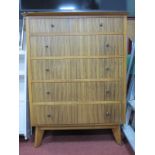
76 24
32 116
131 29
79 126
117 134
87 13
72 114
76 57
79 91
51 34
77 71
124 73
103 45
38 136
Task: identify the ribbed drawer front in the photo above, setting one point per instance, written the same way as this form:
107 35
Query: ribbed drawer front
77 114
76 25
99 45
77 69
76 66
76 91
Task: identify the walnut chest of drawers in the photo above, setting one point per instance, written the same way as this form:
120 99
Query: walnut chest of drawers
76 71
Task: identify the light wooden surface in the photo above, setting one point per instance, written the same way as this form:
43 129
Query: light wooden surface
76 57
117 134
123 105
76 91
99 45
77 14
131 28
77 114
78 126
32 116
38 136
57 69
77 72
71 24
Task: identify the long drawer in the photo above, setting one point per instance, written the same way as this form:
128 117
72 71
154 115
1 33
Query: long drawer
77 69
77 91
98 45
76 24
77 114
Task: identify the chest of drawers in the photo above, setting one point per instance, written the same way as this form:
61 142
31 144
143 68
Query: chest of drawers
76 71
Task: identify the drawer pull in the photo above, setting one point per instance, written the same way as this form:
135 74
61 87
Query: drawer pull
107 68
49 115
107 45
101 25
47 92
108 113
47 70
52 25
107 91
46 46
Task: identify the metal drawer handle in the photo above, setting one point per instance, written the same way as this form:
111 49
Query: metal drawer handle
108 113
48 115
107 45
101 25
46 46
52 25
47 69
47 92
107 68
107 91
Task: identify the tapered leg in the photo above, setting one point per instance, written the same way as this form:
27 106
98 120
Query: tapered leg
117 134
38 136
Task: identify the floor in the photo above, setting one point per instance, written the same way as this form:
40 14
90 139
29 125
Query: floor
86 142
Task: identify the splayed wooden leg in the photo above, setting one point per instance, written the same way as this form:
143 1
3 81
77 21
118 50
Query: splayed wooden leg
117 134
38 136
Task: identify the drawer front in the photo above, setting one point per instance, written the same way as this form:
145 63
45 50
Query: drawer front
77 114
76 25
77 69
76 91
100 24
99 45
47 25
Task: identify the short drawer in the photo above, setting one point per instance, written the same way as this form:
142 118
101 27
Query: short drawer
76 24
99 45
110 25
76 91
77 69
47 25
77 114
